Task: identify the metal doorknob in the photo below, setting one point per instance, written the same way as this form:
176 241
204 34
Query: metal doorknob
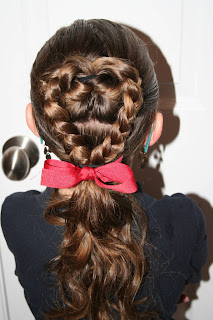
20 154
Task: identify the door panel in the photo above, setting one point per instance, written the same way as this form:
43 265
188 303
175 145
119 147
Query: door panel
179 28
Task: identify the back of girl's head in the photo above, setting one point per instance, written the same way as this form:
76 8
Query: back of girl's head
94 94
93 120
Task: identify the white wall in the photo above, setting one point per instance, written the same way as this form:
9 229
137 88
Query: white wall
183 32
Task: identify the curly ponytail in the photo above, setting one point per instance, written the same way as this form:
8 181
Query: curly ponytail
92 105
101 263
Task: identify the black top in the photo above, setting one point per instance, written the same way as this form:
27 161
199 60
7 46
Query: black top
176 249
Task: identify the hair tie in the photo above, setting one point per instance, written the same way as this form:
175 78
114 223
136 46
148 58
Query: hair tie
61 174
86 78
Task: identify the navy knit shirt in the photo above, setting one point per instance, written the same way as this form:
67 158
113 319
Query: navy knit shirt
176 248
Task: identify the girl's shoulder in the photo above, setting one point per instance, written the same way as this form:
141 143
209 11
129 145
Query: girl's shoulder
19 203
17 206
177 233
177 213
22 217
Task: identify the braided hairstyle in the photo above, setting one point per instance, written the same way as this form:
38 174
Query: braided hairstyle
94 94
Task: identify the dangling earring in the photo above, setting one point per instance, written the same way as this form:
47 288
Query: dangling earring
143 152
46 149
47 152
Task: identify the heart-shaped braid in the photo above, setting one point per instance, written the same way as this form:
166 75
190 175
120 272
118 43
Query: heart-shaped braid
114 91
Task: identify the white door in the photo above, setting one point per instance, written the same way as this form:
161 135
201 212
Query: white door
182 29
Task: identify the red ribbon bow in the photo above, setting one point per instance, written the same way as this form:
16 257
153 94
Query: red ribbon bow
60 174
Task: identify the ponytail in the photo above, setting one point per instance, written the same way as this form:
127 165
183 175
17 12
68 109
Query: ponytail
101 263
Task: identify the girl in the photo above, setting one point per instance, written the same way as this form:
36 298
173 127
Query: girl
113 251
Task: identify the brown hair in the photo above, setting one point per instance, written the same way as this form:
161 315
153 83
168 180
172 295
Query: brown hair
94 94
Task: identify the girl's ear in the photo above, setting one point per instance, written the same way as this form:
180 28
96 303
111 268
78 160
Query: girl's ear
31 120
157 130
